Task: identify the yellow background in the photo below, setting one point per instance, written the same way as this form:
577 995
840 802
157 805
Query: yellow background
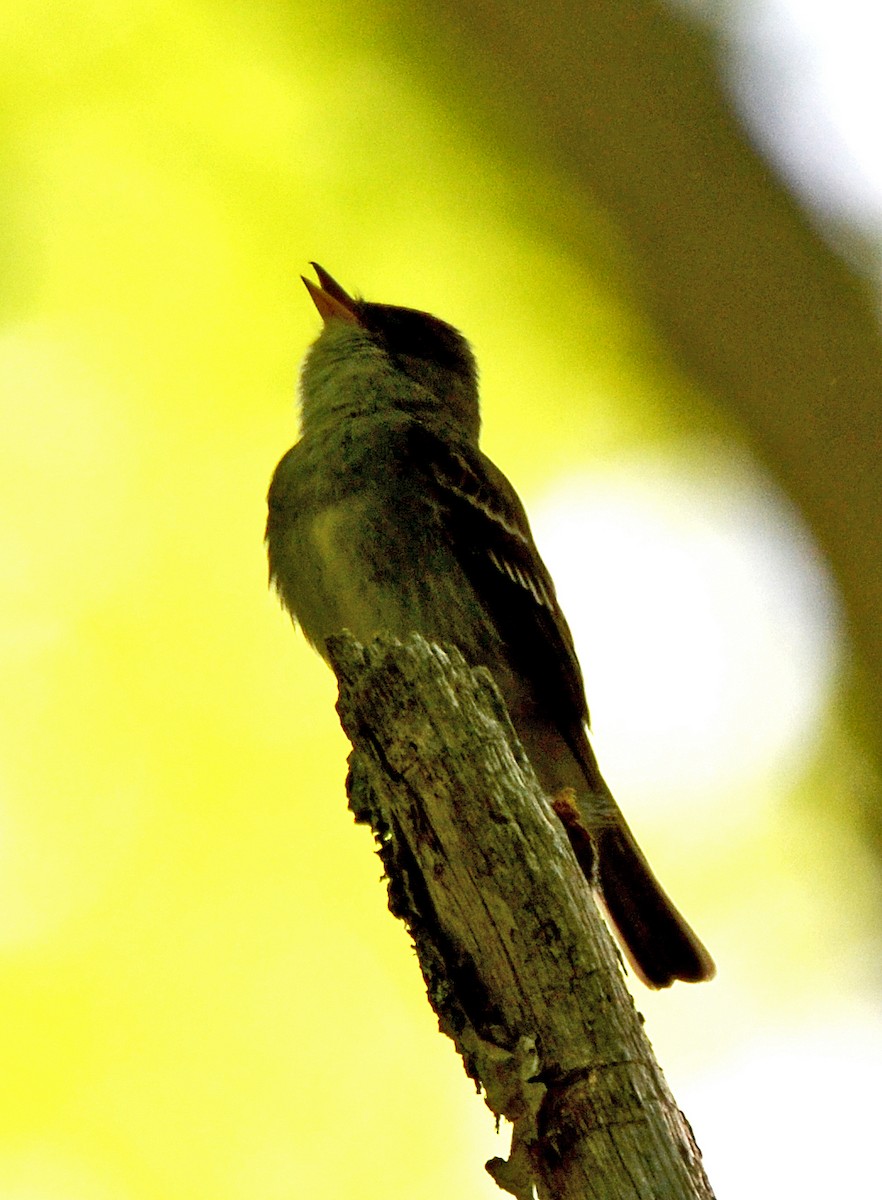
201 993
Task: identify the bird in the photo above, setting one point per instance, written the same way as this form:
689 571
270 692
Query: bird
387 517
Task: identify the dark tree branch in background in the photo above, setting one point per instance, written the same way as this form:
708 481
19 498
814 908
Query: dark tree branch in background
622 102
518 964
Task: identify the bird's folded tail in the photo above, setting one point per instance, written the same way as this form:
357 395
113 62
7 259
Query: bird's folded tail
658 942
656 939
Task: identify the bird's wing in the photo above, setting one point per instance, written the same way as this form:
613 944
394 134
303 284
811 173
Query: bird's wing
490 535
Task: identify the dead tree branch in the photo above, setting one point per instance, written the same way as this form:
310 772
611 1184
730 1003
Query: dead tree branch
518 964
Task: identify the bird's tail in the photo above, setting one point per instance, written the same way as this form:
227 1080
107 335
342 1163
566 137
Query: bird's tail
658 942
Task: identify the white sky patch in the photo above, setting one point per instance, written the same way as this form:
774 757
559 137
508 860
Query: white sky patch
805 76
794 1115
705 622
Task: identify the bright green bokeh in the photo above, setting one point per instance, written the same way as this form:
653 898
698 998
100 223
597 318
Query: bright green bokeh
201 993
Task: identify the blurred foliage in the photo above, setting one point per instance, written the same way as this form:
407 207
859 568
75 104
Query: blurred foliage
202 994
621 102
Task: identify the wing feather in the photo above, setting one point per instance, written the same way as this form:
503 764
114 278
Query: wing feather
490 534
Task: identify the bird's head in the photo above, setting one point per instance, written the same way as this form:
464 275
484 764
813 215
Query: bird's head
365 345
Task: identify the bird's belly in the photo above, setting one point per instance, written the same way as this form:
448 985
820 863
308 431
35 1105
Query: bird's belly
337 572
354 573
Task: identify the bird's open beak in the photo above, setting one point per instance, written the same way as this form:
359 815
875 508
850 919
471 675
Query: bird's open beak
330 299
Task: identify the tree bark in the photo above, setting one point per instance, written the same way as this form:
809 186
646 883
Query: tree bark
517 961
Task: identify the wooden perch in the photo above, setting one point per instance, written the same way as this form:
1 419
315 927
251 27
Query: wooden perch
517 961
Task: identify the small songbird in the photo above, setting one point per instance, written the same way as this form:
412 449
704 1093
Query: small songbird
385 517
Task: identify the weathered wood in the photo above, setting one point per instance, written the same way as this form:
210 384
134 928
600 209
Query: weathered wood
518 964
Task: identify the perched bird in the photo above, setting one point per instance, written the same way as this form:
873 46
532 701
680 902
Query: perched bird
386 517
